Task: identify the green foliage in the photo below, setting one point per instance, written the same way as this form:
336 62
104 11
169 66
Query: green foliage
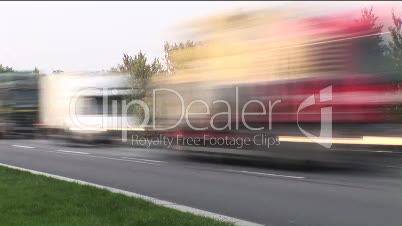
4 69
395 45
171 66
114 70
156 67
141 70
139 67
373 48
395 54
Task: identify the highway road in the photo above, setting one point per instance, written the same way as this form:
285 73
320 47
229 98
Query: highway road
260 190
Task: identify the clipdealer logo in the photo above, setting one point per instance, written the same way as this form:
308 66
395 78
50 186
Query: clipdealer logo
261 140
325 137
325 95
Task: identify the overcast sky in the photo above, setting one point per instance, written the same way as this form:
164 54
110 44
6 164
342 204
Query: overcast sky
75 36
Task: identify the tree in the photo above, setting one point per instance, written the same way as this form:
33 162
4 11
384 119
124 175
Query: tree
4 69
395 53
156 67
140 70
171 66
114 70
395 45
372 48
36 70
139 67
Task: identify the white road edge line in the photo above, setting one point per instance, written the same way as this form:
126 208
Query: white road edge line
399 167
167 204
21 146
75 152
99 157
385 152
265 174
147 160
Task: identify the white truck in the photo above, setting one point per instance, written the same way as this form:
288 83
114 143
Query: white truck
85 106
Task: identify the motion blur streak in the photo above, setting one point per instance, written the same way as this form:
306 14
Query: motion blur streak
367 140
244 77
281 54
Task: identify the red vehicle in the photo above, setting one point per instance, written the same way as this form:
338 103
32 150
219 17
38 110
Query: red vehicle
321 63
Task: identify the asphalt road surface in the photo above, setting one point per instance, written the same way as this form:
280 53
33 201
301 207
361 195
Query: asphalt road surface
261 190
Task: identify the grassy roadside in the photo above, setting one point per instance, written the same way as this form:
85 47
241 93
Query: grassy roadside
28 199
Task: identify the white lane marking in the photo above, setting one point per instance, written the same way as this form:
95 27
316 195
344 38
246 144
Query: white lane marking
384 151
156 201
399 167
125 160
264 174
21 146
100 157
76 152
147 160
357 150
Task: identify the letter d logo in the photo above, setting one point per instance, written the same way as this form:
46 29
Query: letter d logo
326 118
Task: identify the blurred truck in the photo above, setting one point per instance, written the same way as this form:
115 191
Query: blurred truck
18 103
85 107
279 55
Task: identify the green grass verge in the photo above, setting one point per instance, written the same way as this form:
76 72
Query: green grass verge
28 199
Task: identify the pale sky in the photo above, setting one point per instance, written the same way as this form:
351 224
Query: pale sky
76 36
